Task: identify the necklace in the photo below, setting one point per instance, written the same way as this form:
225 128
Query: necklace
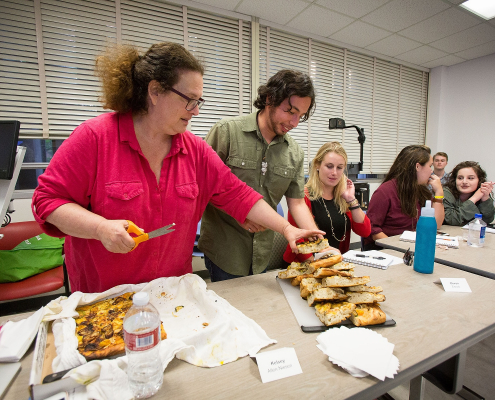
331 222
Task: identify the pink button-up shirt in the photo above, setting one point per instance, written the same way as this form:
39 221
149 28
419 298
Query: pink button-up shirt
101 167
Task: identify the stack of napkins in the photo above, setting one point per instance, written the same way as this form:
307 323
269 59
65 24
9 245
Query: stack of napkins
16 337
360 351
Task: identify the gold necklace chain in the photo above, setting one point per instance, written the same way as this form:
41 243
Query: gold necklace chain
331 222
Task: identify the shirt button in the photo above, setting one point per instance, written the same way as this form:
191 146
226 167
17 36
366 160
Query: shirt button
285 172
254 241
125 196
242 163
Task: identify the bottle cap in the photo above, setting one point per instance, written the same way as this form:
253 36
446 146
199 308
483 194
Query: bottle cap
478 215
141 298
427 210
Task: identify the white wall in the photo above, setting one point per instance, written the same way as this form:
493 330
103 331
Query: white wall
461 112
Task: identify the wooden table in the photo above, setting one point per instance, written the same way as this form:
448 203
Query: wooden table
480 261
432 326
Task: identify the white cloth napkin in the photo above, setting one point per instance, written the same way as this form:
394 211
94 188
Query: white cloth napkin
108 378
202 328
360 351
16 337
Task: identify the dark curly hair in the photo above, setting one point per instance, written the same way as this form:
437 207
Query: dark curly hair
125 75
451 183
403 170
284 84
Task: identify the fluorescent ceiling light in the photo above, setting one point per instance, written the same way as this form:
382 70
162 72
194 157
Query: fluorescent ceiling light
483 8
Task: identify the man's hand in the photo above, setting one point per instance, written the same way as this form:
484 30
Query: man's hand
330 248
252 227
113 235
292 234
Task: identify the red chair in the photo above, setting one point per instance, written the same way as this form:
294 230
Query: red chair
45 282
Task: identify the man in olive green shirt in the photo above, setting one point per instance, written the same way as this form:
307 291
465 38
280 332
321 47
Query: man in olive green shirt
259 151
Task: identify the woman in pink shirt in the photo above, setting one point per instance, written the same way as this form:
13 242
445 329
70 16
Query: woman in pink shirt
396 205
140 163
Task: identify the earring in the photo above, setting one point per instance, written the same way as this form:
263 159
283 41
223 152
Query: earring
317 170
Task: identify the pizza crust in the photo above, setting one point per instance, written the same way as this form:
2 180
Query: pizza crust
99 327
308 247
367 314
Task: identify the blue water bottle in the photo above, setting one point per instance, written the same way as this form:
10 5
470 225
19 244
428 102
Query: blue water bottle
426 233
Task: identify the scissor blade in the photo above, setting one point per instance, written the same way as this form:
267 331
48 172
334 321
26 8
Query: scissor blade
160 231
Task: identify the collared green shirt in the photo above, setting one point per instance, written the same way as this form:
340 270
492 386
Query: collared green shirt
460 213
239 143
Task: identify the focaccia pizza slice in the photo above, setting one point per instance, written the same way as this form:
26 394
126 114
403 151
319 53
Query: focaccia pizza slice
367 314
334 313
308 247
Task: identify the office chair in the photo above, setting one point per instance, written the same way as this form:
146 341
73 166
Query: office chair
13 294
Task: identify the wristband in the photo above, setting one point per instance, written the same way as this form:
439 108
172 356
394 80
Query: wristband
353 203
435 200
355 207
438 197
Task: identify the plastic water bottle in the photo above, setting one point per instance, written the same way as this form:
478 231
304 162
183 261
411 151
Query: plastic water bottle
142 345
477 228
426 234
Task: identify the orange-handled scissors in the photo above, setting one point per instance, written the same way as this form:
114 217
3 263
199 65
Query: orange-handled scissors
142 236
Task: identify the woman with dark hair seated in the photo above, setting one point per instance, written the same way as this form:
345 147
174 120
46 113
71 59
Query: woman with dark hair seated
467 192
395 206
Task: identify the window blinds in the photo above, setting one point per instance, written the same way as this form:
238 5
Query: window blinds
20 96
386 99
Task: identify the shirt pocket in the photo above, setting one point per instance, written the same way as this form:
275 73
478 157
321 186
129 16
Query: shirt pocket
245 170
123 199
124 190
284 172
187 190
242 163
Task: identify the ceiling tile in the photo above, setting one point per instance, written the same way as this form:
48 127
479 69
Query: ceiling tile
353 8
441 25
393 45
225 4
478 51
447 61
421 55
360 34
471 37
400 14
278 11
320 21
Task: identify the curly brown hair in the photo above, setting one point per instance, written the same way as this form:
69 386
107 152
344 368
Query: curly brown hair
125 75
403 170
284 84
451 183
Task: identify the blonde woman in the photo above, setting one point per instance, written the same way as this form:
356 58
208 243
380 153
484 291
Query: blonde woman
330 196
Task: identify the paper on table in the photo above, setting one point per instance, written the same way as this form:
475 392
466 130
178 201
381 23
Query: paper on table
16 337
490 230
360 351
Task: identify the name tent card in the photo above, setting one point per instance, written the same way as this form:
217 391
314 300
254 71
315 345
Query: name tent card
278 364
455 285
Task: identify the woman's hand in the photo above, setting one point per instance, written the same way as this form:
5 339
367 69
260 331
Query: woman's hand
436 185
349 193
114 237
330 248
293 234
486 188
252 226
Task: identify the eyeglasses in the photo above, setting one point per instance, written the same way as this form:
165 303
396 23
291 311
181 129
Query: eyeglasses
408 257
191 103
